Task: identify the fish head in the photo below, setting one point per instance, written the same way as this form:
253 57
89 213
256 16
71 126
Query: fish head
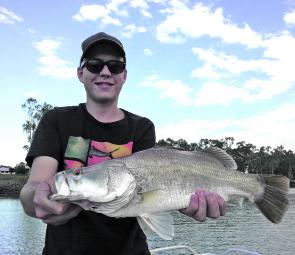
98 183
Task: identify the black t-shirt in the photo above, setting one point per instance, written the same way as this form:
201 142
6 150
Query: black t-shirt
74 138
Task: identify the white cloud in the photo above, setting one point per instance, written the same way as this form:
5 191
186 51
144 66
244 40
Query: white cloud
277 124
169 89
31 31
272 128
265 89
9 17
47 47
142 6
272 71
184 22
289 18
191 130
94 12
160 1
275 65
51 64
280 46
131 29
148 52
210 93
115 6
208 71
228 63
105 13
217 93
280 51
213 93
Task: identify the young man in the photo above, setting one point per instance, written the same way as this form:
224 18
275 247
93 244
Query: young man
88 134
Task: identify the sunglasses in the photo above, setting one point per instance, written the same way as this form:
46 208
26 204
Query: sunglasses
95 65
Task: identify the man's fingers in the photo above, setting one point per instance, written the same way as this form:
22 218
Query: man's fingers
222 205
201 213
205 204
49 207
193 206
45 207
56 220
51 183
213 206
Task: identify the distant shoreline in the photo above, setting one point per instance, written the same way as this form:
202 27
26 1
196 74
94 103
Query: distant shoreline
11 185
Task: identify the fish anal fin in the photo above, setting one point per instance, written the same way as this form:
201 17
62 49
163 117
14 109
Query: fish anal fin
161 224
235 201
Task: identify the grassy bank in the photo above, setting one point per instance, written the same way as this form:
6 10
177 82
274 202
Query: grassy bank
10 185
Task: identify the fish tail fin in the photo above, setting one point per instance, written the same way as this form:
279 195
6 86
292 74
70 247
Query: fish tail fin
274 201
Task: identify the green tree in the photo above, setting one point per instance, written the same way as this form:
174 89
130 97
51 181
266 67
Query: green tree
21 168
167 143
228 143
34 111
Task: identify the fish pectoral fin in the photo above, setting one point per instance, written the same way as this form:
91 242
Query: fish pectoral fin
161 224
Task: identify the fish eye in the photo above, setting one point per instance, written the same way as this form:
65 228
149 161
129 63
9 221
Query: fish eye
77 172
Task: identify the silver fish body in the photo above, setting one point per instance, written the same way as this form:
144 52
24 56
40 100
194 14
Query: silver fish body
159 180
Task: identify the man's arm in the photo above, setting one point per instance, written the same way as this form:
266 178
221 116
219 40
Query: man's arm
35 194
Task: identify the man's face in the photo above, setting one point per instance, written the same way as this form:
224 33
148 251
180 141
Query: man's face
102 87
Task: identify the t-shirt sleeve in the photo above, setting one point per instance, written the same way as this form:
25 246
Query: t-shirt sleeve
145 135
46 139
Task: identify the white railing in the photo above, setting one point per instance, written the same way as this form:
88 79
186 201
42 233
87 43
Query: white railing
191 251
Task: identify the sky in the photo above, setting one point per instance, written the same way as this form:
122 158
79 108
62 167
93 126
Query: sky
197 69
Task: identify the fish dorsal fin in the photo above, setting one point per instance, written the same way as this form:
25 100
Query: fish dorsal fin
161 224
227 160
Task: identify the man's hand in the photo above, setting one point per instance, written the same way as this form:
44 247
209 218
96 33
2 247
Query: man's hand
52 212
205 204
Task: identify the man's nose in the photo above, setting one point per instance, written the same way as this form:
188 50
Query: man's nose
105 71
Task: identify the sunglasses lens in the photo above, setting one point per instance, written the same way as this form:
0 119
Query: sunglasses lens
115 66
96 65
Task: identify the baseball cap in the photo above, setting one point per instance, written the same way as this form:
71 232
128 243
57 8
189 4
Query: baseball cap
101 37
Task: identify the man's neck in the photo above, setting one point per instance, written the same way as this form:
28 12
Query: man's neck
105 113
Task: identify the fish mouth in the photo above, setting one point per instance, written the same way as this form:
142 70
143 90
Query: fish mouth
62 185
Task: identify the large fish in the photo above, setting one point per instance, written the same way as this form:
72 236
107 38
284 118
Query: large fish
148 183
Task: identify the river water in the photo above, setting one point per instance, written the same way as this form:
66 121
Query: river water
244 228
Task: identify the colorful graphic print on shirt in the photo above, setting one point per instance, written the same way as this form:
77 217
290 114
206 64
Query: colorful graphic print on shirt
85 152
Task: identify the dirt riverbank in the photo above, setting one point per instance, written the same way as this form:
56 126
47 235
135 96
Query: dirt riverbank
10 185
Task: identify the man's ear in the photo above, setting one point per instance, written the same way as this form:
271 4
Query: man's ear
80 74
125 75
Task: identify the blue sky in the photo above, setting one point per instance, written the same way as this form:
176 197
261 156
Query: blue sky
198 69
